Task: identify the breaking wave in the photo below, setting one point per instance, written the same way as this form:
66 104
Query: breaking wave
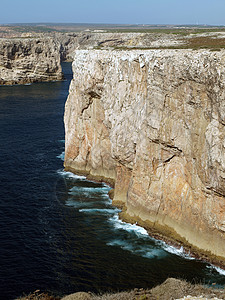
61 156
92 199
118 224
217 269
147 251
105 211
70 175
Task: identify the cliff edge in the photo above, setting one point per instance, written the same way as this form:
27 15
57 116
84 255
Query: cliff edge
153 122
27 60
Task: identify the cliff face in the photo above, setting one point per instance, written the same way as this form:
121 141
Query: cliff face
29 60
153 121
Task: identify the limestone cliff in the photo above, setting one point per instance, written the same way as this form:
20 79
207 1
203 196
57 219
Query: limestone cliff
153 121
29 60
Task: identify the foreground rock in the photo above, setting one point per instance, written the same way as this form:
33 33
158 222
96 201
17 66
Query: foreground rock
153 122
170 289
29 60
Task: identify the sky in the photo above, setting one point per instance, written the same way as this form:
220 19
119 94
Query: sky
210 12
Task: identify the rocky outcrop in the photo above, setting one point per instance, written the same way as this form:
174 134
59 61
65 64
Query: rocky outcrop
29 60
170 289
110 40
153 122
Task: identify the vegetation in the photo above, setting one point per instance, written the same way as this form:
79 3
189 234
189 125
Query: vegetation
206 42
36 29
170 289
38 295
177 31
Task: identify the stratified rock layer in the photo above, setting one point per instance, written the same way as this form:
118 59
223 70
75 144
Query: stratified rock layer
153 122
29 60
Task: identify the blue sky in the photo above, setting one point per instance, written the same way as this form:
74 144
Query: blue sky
210 12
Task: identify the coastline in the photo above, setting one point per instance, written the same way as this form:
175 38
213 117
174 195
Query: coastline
160 233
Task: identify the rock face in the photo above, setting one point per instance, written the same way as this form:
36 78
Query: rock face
153 121
105 40
29 60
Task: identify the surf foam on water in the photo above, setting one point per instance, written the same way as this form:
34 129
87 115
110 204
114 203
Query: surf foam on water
141 232
94 192
104 211
217 269
61 156
177 251
160 247
70 175
79 204
78 189
147 251
118 224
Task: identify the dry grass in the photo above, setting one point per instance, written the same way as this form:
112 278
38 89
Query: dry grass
171 289
206 42
38 295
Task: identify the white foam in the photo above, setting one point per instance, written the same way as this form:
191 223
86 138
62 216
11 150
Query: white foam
100 193
118 224
173 250
61 156
78 204
70 175
105 211
141 232
147 251
160 247
61 141
219 270
90 190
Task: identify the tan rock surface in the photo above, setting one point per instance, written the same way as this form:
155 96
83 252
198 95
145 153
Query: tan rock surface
29 60
153 122
78 296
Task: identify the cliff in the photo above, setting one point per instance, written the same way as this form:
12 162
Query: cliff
69 42
152 122
27 60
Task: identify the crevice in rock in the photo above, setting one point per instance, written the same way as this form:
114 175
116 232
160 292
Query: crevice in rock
92 95
174 148
169 159
217 193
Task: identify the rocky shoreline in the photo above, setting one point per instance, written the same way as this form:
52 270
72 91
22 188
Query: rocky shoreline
162 235
152 121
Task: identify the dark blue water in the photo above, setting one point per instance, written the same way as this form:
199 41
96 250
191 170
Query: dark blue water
58 232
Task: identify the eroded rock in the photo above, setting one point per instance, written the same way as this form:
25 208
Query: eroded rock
153 122
29 60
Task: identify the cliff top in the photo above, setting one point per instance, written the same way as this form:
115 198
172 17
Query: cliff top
126 36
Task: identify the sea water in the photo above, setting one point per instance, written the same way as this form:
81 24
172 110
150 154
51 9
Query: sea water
58 231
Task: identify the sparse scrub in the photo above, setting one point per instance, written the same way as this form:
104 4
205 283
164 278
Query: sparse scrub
38 295
171 289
